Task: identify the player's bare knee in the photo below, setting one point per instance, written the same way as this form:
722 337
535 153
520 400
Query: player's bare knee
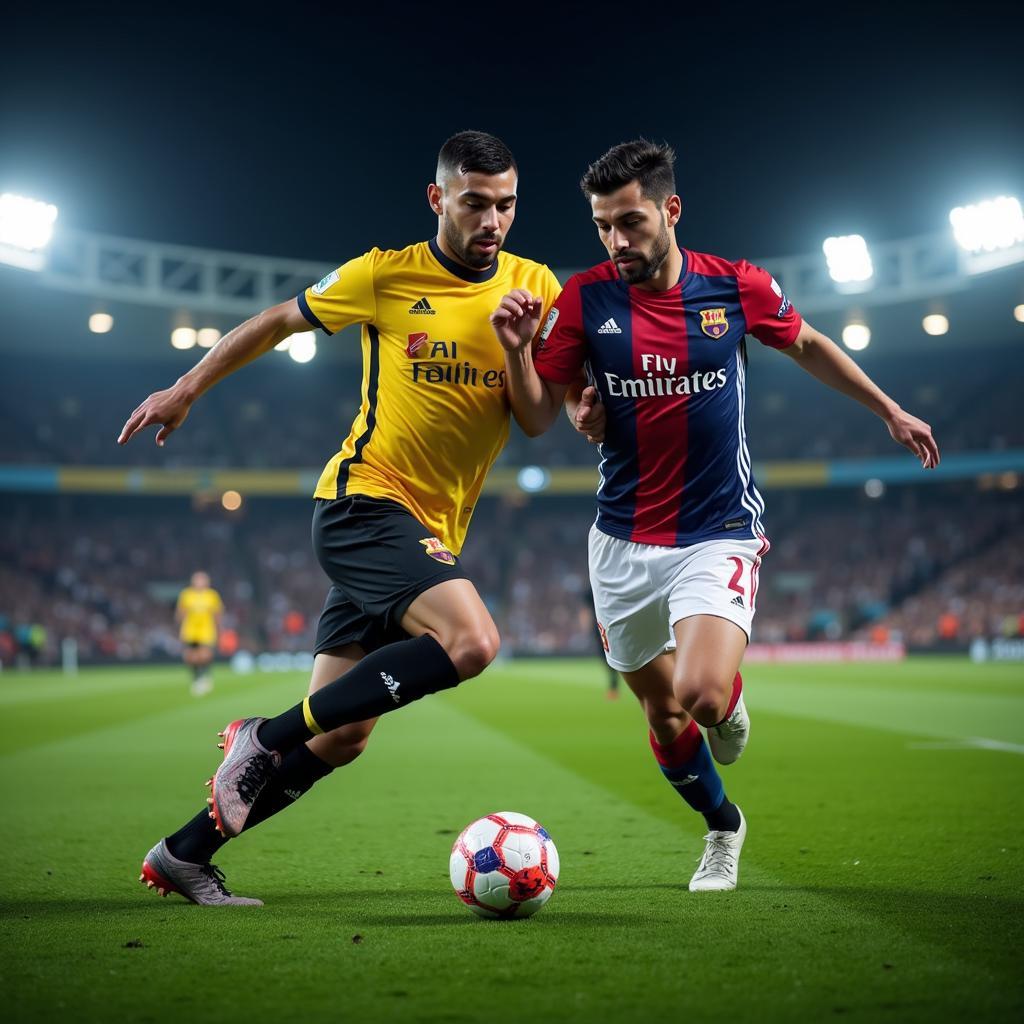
472 652
705 697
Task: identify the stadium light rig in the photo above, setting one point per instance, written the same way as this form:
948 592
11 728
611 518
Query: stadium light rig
990 233
856 336
26 227
301 346
849 261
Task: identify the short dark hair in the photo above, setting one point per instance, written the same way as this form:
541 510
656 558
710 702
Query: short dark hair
466 152
650 163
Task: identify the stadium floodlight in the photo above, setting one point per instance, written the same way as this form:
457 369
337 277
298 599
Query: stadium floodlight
1018 313
207 337
183 337
848 259
990 225
231 501
856 337
874 488
26 227
303 346
935 324
533 479
283 346
101 323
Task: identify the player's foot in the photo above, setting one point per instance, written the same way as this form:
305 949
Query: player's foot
720 864
201 687
200 883
245 770
728 738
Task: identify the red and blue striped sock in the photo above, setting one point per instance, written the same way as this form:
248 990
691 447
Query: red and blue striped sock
686 764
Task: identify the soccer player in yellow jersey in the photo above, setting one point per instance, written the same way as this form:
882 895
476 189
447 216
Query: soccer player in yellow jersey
401 619
198 614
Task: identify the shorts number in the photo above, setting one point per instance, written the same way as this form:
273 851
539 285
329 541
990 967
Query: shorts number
734 583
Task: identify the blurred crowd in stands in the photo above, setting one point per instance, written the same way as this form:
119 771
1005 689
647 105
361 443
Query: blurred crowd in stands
934 566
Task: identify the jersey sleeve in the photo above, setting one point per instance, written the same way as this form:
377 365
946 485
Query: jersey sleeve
560 349
770 316
182 603
218 604
345 296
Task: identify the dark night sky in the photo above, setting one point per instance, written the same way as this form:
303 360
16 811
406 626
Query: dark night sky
314 134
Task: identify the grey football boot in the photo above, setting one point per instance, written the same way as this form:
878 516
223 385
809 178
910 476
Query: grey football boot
245 770
200 883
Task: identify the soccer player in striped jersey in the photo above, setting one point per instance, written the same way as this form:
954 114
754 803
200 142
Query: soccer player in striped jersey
678 541
392 507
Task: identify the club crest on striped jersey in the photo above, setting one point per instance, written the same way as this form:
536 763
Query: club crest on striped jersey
713 322
437 551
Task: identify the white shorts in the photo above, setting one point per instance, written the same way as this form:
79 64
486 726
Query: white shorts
642 590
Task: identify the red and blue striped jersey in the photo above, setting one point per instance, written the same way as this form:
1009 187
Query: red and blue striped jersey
670 367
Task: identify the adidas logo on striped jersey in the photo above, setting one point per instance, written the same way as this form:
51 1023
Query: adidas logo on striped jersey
609 327
422 306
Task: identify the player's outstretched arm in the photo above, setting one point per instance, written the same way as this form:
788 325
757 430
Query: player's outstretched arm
824 359
245 343
535 401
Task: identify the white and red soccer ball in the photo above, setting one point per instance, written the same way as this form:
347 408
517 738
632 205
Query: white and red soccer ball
504 865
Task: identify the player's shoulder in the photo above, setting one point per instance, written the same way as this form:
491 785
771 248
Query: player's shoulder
594 275
707 264
396 260
511 263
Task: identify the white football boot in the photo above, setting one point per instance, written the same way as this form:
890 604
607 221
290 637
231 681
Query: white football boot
719 867
728 738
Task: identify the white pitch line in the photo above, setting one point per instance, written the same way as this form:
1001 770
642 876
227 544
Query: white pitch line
970 743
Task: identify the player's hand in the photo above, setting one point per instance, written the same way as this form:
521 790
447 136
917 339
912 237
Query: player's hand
167 408
517 319
916 436
590 416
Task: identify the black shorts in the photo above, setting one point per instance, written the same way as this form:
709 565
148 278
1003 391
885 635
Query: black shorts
379 558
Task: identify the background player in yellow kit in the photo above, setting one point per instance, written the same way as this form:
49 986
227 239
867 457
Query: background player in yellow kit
401 619
198 614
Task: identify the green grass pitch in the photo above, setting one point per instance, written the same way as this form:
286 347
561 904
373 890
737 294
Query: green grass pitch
882 878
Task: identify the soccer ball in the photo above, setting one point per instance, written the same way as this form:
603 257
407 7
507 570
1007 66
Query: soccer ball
504 865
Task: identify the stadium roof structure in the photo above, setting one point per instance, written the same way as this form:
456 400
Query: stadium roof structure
155 286
205 280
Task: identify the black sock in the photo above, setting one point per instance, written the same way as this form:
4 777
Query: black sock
724 818
198 840
300 770
195 671
389 678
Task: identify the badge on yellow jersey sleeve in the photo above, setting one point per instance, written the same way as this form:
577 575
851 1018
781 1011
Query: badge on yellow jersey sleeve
345 296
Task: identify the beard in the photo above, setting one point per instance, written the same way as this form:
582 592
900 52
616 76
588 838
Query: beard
462 247
647 266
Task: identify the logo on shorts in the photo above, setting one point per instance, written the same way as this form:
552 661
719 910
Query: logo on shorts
713 322
604 637
438 551
415 343
738 601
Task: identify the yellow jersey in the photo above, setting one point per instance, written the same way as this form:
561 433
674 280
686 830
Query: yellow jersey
199 610
434 414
